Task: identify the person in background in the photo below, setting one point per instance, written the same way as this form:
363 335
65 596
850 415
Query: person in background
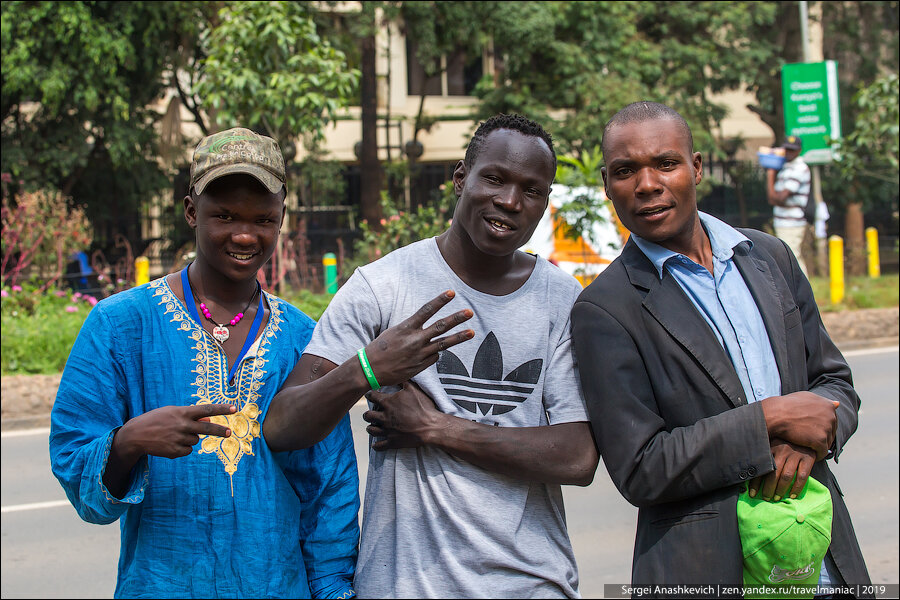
159 414
788 192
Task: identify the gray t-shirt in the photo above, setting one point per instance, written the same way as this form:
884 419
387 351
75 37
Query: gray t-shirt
435 526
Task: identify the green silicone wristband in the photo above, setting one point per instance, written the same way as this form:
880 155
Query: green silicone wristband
367 369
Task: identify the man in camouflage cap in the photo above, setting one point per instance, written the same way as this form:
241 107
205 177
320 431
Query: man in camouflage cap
237 150
158 418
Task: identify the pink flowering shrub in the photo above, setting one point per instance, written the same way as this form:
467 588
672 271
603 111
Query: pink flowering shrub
40 232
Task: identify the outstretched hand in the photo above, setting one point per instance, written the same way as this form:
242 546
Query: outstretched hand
409 347
793 463
404 419
171 431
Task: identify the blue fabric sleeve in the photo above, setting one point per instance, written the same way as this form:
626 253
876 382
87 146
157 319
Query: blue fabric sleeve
325 479
89 408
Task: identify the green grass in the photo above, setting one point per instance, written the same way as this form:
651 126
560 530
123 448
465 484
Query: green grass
38 330
859 292
38 333
310 303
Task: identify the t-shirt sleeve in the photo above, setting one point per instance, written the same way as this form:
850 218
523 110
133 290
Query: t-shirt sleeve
563 399
89 408
352 320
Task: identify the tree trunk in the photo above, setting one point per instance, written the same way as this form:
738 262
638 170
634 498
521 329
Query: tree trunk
855 249
369 167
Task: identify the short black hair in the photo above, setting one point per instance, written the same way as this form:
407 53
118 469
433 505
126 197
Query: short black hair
518 123
638 112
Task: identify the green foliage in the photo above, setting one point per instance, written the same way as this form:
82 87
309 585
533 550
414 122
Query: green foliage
312 304
592 58
320 180
438 27
870 150
582 174
267 68
860 292
575 171
39 329
78 83
400 227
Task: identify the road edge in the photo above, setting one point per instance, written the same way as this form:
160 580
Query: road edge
43 420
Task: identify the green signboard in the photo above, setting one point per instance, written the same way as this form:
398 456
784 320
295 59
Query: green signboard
812 107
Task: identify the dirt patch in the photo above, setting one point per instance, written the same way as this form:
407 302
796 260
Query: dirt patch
27 399
873 326
27 395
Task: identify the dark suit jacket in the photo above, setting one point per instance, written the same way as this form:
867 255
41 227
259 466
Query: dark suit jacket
671 419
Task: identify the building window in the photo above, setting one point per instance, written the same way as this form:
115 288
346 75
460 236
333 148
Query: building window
459 76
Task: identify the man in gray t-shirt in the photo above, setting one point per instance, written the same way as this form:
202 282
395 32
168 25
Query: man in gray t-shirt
467 457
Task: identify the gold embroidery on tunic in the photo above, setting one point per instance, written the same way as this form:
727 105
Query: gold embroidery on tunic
211 369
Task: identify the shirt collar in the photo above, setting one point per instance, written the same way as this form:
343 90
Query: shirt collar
722 238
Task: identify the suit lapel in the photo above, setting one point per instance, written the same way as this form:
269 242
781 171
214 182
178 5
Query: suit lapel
672 308
769 300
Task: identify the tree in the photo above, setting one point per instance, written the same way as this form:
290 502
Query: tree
868 158
583 61
78 83
267 68
354 32
437 29
370 170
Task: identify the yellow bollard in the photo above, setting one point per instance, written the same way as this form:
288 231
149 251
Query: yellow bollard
836 264
141 270
872 251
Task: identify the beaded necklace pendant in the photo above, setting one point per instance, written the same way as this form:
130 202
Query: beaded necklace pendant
220 332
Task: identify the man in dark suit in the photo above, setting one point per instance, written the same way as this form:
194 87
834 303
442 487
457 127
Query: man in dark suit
705 366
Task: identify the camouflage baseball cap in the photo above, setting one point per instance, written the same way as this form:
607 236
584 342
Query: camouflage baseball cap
237 150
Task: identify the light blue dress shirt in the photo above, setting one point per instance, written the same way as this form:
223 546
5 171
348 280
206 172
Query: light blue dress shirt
727 305
725 302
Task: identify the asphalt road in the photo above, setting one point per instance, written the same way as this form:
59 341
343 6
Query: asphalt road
48 552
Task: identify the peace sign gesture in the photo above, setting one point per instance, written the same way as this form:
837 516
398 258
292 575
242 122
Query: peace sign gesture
409 347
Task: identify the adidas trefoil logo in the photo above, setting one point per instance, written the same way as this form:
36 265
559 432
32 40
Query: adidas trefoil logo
486 390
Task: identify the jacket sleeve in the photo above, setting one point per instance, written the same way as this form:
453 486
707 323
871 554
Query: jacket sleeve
325 478
827 372
648 459
89 408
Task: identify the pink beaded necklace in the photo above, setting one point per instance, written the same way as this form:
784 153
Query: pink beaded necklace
220 331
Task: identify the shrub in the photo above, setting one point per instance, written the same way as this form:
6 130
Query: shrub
400 227
40 233
309 302
39 328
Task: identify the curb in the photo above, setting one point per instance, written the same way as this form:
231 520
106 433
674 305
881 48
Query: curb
882 342
37 421
20 423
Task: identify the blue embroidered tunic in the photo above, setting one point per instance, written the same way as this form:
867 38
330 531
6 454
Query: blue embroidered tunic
232 519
